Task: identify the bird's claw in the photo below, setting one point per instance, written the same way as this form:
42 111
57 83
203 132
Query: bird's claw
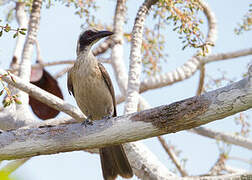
107 117
87 121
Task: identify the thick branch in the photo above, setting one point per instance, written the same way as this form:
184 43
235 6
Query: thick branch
23 23
25 66
117 50
175 117
135 58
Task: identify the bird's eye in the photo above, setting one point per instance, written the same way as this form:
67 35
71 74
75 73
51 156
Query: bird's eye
89 33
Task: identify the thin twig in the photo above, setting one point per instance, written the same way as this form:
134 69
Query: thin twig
173 156
201 80
62 72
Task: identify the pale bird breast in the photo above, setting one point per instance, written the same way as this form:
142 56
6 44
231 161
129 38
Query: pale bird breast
91 92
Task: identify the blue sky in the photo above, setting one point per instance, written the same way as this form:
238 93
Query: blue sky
58 33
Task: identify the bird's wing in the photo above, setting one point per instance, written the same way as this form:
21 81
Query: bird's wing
69 82
109 84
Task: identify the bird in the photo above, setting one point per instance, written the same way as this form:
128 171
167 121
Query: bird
90 84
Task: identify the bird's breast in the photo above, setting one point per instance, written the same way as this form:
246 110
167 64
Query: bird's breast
91 92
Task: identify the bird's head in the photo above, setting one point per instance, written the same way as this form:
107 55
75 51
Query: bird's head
90 37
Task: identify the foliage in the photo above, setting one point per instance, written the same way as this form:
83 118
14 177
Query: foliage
184 16
83 8
10 98
247 22
7 28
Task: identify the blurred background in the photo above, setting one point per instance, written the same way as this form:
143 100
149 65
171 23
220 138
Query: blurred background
58 34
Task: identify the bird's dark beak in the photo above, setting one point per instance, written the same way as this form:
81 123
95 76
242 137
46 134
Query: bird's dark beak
100 34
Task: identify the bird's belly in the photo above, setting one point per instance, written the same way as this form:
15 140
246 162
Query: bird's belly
93 96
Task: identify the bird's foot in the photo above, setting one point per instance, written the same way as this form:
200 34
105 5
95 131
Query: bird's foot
107 117
87 121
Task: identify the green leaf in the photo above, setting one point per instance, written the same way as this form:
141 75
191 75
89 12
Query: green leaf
7 28
1 92
17 101
15 35
22 32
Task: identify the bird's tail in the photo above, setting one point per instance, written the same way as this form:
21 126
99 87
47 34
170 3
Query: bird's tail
115 162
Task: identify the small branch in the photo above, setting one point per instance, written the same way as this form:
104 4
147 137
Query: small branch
104 60
219 165
201 80
245 160
38 53
173 156
230 170
226 56
58 63
178 116
229 138
44 96
62 72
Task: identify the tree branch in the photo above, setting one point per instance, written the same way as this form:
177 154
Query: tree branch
144 162
203 60
201 80
25 66
117 49
23 23
235 176
16 116
173 156
178 116
226 137
62 72
135 58
225 56
44 96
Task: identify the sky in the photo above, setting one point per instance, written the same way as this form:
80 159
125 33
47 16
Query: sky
58 33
